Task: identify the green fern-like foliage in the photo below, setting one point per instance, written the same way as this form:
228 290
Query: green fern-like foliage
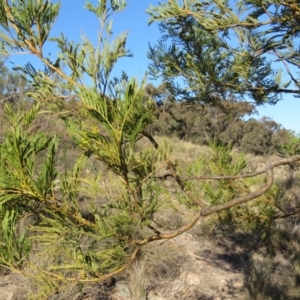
27 174
251 215
114 116
79 226
19 154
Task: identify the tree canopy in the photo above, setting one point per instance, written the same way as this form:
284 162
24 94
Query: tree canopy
220 49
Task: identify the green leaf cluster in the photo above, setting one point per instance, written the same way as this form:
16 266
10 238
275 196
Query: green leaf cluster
115 114
93 225
19 154
27 30
222 50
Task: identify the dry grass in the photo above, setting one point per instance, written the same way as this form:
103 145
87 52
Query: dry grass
272 271
138 280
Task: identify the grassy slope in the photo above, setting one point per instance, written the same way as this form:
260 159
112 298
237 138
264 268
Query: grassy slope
209 262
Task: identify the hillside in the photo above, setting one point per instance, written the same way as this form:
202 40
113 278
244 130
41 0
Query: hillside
215 260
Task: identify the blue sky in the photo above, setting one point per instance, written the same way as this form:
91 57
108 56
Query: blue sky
74 21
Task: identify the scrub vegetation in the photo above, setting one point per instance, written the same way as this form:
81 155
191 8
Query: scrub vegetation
96 178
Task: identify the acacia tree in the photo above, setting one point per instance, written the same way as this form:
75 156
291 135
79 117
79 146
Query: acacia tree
114 115
223 50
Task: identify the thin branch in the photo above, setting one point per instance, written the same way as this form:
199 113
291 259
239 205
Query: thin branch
177 178
166 236
274 90
234 177
286 215
287 68
15 53
102 277
154 229
7 98
236 201
245 198
242 199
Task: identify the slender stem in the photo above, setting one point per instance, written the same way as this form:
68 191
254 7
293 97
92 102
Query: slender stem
166 236
177 178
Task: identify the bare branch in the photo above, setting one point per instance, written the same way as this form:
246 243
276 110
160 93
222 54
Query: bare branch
286 215
166 236
236 201
272 165
177 178
234 177
287 68
7 98
270 179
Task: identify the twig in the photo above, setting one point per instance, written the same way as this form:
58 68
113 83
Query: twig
287 68
245 198
177 178
272 165
286 215
165 236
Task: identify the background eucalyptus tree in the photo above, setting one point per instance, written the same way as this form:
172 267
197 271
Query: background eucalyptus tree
113 114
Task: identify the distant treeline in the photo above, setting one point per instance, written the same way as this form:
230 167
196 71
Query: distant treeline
227 122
